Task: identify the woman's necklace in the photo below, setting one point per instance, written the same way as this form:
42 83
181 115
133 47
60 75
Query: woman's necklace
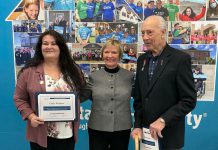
109 77
110 73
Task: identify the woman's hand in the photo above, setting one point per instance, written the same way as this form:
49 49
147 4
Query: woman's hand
35 120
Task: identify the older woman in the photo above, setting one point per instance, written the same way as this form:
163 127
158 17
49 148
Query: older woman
51 70
110 91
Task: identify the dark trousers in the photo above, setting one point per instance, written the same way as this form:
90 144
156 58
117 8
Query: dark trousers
101 140
55 144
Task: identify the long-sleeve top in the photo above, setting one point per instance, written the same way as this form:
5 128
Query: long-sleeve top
31 81
108 14
197 17
110 94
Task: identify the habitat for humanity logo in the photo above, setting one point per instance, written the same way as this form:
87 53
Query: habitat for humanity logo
84 117
194 120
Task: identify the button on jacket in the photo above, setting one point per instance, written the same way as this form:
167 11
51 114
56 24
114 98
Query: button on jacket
170 94
110 94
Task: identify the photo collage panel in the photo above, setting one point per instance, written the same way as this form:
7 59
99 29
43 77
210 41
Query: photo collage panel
192 26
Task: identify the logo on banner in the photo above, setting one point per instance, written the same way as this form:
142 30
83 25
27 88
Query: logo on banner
194 120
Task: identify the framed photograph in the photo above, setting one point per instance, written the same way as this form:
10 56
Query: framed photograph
59 15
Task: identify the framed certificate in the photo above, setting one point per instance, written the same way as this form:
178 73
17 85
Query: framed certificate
57 106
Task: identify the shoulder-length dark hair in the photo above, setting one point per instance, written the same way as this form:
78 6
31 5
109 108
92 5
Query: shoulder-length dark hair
72 73
192 15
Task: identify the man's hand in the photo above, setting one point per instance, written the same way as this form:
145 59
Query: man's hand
35 120
136 132
156 128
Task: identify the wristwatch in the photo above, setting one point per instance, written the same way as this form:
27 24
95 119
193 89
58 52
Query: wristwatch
162 120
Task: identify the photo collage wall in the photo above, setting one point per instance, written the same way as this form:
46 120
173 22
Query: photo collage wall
192 27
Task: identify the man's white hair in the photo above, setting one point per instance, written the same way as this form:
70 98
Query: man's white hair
162 25
161 21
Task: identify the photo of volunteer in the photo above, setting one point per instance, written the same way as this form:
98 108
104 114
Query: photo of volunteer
95 11
52 69
59 5
125 33
189 15
30 10
84 33
109 89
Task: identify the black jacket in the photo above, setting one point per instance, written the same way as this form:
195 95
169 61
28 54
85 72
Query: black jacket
170 94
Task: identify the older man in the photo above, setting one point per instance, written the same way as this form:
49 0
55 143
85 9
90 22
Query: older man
164 89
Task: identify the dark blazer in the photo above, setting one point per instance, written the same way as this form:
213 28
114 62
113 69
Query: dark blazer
170 94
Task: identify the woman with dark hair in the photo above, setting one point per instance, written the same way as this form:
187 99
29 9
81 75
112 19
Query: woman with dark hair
52 69
189 15
110 91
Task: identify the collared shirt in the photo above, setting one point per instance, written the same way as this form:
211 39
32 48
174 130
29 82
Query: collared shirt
153 60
